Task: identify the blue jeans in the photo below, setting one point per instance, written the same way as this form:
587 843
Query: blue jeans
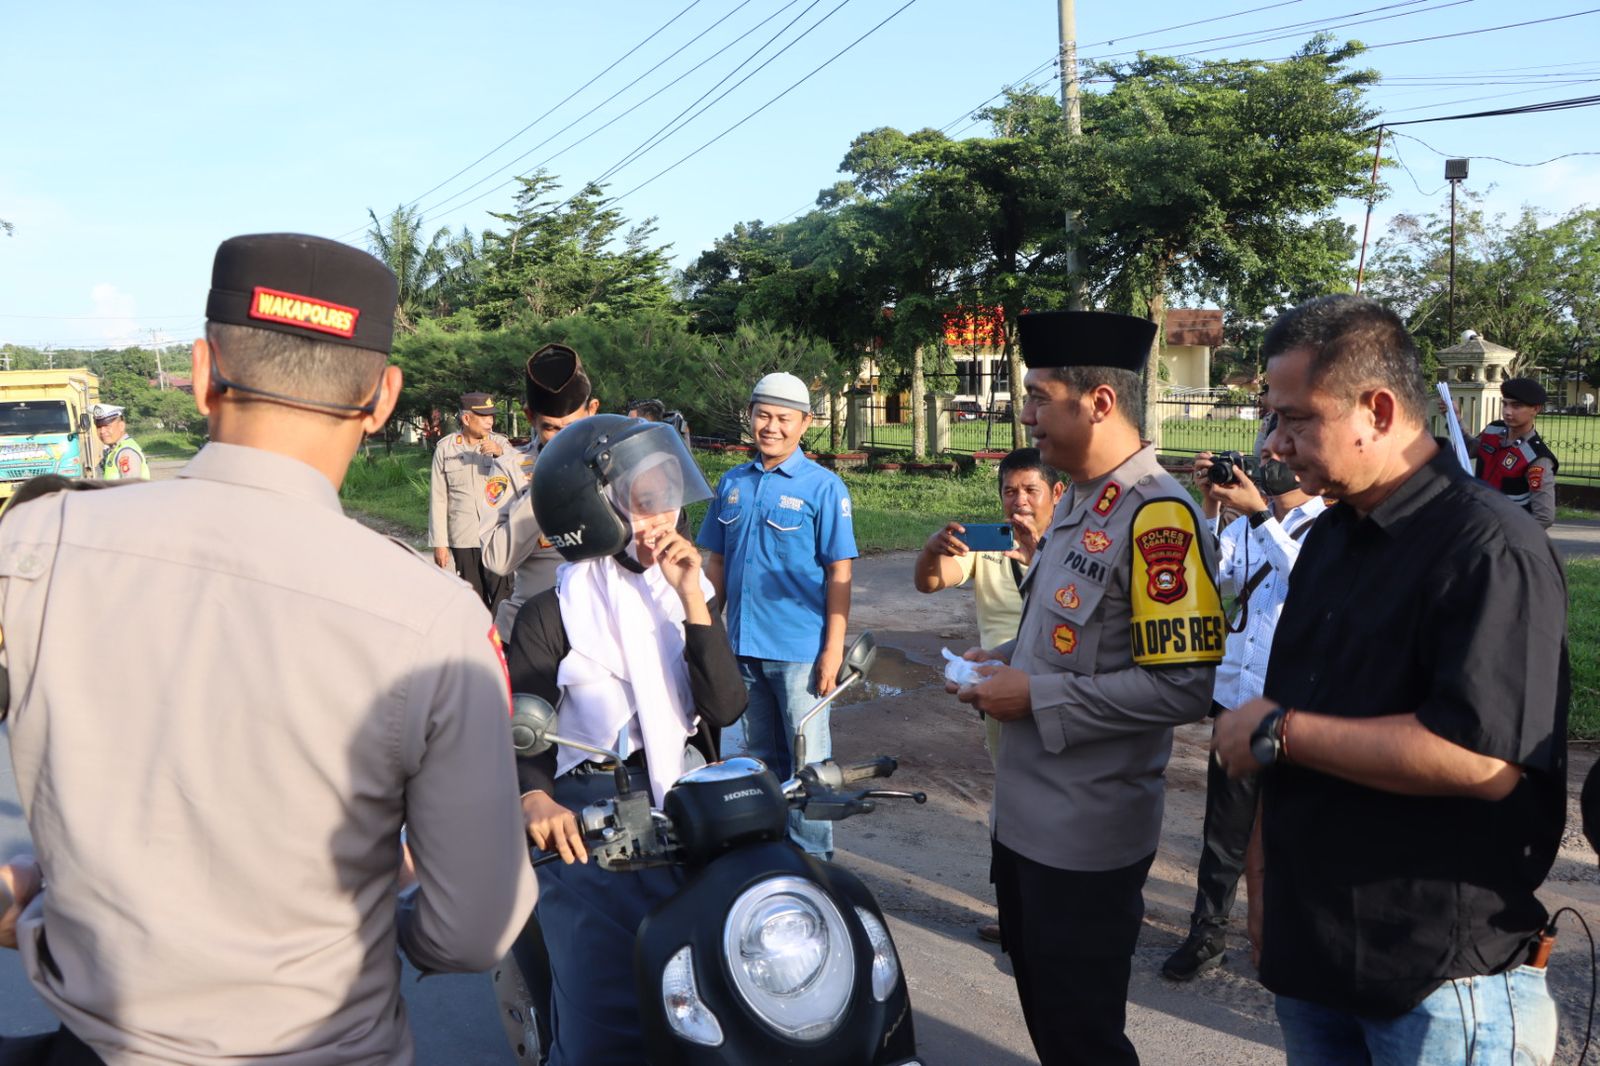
1507 1019
780 695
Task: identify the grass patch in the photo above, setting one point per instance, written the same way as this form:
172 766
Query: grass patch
168 444
1575 514
393 488
1583 646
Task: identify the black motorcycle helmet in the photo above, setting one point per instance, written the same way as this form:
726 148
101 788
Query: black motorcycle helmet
597 474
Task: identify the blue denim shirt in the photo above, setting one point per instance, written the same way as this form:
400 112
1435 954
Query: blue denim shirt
777 530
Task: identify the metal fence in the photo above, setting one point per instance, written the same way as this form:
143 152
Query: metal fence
974 426
1207 420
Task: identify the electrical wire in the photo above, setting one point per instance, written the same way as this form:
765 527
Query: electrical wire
617 118
659 136
652 36
1494 158
1570 104
807 77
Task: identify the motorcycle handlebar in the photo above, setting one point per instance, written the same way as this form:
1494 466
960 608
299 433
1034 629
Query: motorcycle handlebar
882 766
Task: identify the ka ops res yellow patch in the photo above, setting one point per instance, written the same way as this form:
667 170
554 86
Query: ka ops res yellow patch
1177 611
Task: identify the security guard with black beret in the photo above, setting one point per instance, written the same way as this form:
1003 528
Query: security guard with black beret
1120 636
1511 456
218 815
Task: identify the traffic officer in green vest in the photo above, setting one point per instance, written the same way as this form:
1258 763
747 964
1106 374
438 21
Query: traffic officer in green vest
123 458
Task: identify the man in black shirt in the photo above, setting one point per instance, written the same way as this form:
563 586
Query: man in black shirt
1414 724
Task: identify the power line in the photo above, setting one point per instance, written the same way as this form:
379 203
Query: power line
100 318
1526 109
563 100
701 35
646 145
1493 158
814 71
1471 99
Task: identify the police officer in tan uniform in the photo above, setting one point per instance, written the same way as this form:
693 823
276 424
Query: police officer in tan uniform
1120 635
558 394
218 814
468 485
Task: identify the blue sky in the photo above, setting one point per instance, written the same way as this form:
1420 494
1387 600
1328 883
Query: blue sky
134 137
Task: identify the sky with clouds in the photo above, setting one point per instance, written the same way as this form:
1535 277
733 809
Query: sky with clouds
135 137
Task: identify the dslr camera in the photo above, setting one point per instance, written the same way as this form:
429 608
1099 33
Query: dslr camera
1225 466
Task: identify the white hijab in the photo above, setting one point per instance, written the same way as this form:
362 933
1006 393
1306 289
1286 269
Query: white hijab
626 660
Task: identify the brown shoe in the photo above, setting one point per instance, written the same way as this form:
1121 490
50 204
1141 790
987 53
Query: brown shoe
989 931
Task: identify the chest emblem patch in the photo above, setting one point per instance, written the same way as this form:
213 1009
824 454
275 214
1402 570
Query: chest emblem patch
1108 498
1068 598
1065 639
1164 549
495 488
1096 541
791 503
733 498
1509 461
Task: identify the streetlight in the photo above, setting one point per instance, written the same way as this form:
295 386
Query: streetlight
1455 172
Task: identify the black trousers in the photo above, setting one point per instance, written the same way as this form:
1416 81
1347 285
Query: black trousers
1230 815
490 586
1071 935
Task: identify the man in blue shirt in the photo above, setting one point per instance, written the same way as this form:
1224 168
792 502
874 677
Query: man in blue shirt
780 542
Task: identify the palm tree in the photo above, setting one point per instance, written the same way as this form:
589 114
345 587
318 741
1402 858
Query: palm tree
421 269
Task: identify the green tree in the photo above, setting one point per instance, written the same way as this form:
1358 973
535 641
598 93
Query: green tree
564 257
1218 178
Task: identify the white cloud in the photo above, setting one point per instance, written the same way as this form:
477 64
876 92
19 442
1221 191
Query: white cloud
114 311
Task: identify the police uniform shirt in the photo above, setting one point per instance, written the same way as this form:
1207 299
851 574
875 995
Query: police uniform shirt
512 542
465 485
1121 632
1523 468
777 531
124 460
217 806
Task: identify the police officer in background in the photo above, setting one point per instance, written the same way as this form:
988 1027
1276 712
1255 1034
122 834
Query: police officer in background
466 486
222 841
1120 636
558 394
1511 456
123 458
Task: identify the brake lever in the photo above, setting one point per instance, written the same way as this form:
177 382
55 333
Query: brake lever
895 794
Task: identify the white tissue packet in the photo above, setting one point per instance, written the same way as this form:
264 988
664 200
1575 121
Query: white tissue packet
962 672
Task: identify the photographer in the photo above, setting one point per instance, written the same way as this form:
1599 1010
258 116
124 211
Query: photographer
1254 556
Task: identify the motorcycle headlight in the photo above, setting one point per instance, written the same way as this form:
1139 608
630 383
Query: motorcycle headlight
885 963
687 1013
789 951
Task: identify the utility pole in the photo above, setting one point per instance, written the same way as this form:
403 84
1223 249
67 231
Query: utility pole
1455 172
155 344
1072 115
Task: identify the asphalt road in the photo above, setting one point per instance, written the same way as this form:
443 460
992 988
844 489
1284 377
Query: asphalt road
928 867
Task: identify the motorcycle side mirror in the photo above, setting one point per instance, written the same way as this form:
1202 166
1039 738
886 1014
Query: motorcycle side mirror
858 659
533 724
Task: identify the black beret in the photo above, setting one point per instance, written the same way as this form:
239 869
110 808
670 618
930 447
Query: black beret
557 385
305 286
479 403
1524 390
1085 338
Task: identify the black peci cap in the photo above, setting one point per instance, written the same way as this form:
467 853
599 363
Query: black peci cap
305 286
1085 338
557 385
1524 390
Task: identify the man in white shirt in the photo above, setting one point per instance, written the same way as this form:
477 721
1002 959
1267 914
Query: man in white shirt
1255 554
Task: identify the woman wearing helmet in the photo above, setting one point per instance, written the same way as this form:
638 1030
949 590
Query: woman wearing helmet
631 647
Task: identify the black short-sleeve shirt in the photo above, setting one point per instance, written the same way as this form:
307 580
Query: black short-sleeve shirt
1449 602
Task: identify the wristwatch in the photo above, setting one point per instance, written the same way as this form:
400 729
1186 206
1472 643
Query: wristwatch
1266 743
1259 518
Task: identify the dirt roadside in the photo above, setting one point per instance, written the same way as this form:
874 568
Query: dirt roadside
928 864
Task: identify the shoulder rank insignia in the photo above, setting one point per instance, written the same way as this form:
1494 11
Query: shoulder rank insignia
1177 612
1096 541
1108 499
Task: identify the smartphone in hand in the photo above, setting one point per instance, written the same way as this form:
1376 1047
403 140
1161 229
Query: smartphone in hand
987 536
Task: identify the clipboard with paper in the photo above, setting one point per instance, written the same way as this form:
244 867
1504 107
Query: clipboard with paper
1458 440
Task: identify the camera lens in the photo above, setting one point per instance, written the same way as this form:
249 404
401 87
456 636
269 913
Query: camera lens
1220 472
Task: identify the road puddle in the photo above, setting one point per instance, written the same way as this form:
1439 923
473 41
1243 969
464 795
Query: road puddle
892 674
